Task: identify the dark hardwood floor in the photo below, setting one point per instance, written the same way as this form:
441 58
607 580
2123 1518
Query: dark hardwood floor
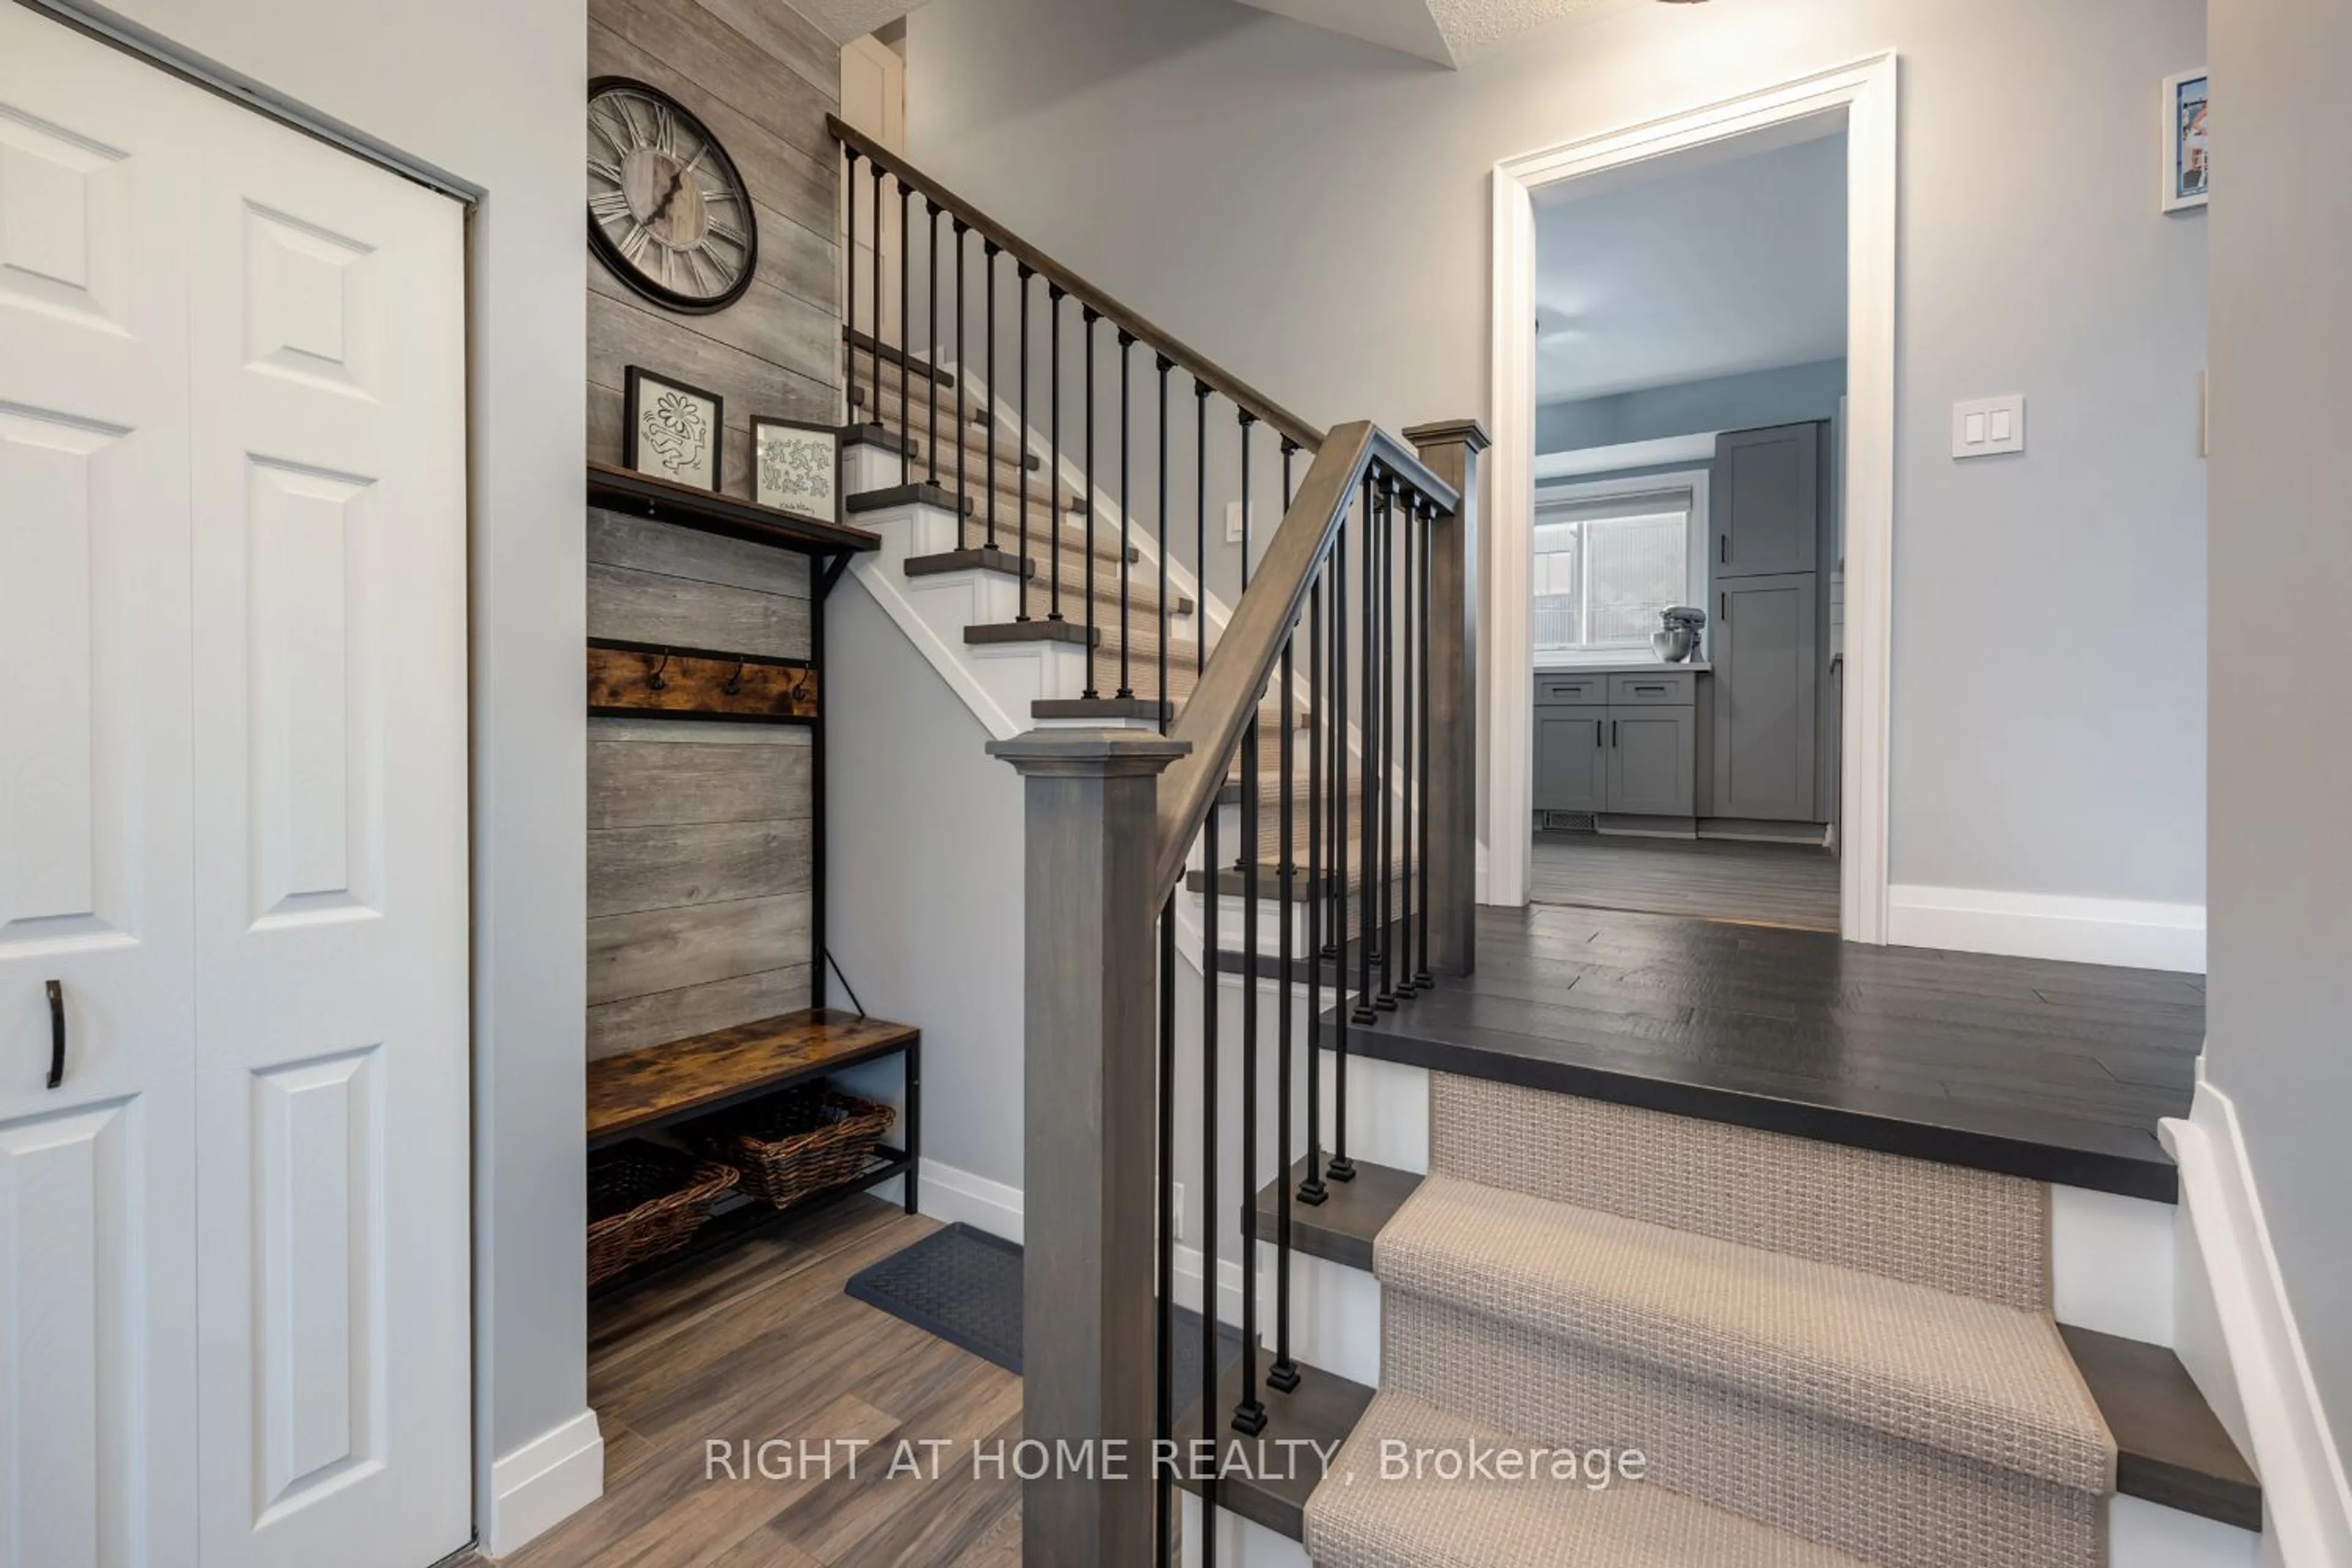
1710 879
2056 1071
762 1344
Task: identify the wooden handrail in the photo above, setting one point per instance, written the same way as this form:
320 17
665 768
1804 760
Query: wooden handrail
1194 362
1226 700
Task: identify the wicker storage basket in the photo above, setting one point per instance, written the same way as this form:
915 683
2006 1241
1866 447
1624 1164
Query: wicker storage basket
645 1201
798 1142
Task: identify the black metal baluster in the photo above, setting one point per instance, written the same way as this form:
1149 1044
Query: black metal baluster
1386 1000
1283 1375
1337 1168
1406 647
1210 1212
1422 978
1249 1413
1201 522
1126 523
1311 1191
1164 1340
877 345
1094 638
1167 546
1026 274
1054 465
1249 741
1368 744
907 320
849 274
1247 421
990 250
963 375
931 368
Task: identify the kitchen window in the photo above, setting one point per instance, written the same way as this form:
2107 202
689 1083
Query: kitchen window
1605 569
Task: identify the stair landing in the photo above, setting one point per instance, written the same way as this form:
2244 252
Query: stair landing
2058 1072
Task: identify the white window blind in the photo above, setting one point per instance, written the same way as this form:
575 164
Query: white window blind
1604 569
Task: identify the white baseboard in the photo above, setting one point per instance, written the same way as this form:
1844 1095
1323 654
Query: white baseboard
542 1483
2042 925
2307 1501
952 1197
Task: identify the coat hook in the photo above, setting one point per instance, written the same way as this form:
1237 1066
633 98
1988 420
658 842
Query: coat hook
734 687
655 681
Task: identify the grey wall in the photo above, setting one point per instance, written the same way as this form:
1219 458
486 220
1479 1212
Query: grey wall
1217 168
1782 396
924 881
493 93
2281 847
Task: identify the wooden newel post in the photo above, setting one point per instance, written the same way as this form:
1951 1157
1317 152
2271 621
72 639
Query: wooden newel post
1450 449
1090 1165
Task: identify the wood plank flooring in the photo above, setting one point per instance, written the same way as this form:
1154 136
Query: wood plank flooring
2055 1071
763 1344
1710 879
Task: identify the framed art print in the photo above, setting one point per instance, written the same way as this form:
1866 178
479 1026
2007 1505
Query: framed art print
671 430
2188 154
796 467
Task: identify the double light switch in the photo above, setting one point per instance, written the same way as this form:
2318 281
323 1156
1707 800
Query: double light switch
1986 425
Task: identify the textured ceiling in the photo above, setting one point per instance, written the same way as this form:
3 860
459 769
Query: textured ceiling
1446 31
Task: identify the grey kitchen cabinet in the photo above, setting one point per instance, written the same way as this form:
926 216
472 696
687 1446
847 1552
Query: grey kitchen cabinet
1767 669
1572 758
1764 499
1653 757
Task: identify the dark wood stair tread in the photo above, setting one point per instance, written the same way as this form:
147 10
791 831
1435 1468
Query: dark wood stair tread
703 1072
1322 1410
2171 1449
1341 1227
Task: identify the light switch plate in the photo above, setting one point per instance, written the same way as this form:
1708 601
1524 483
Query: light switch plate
1983 427
1234 521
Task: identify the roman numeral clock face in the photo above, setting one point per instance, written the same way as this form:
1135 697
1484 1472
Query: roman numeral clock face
667 210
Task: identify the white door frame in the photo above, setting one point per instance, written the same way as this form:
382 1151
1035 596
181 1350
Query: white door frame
1865 93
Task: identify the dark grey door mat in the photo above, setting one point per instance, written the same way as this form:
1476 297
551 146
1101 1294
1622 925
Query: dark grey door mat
964 1285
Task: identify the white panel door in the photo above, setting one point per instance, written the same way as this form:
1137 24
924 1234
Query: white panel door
98 1395
328 486
233 1241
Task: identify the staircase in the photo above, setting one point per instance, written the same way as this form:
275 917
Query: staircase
1250 835
1824 1355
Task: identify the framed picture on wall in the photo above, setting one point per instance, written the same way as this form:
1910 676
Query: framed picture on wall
796 467
2187 155
670 430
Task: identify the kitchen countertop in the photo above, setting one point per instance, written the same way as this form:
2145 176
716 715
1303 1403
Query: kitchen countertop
1628 666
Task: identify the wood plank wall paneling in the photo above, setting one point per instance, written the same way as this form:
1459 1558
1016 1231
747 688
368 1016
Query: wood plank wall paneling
762 79
700 836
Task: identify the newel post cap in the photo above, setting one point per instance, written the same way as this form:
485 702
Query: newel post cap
1470 433
1090 753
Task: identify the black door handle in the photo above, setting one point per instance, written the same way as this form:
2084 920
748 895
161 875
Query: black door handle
57 1034
1612 731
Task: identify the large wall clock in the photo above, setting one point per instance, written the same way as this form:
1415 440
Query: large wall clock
667 210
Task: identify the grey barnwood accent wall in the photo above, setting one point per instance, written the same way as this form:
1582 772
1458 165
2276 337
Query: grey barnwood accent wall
700 834
763 79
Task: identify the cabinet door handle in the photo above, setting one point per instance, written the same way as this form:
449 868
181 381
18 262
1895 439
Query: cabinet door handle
1612 731
1597 741
57 1034
1723 548
1723 608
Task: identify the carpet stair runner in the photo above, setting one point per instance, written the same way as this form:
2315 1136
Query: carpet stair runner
1825 1355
